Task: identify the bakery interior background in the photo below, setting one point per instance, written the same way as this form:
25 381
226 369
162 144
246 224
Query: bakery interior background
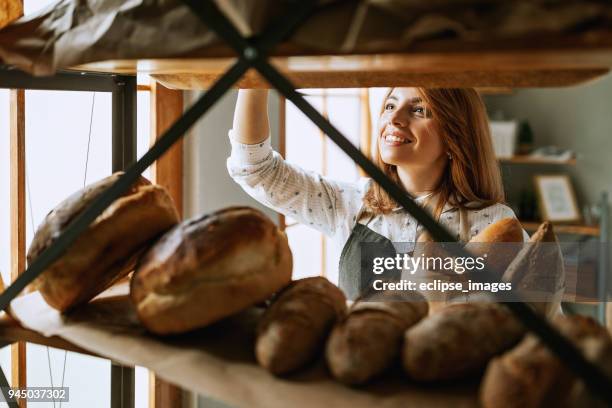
576 121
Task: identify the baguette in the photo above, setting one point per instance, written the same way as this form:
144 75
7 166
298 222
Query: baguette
538 271
499 242
458 340
369 339
294 329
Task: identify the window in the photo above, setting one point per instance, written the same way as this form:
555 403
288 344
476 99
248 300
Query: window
68 144
314 254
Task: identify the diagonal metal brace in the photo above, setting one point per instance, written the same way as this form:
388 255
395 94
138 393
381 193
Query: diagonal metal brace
595 379
175 132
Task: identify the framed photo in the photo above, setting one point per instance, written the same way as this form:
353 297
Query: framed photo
556 198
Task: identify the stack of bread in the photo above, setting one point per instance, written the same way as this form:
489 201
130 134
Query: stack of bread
232 258
108 249
188 275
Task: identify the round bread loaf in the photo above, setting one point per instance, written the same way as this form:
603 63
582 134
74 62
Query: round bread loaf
210 267
109 247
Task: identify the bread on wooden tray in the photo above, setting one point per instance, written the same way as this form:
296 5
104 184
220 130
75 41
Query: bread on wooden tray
110 246
208 268
295 327
458 340
530 375
368 340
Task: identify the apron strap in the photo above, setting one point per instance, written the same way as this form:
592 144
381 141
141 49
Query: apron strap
360 215
464 226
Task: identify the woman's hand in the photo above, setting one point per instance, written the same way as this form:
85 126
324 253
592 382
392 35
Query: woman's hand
251 124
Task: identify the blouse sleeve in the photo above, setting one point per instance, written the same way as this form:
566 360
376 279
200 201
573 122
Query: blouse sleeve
308 197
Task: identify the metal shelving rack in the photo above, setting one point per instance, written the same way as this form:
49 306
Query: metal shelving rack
252 54
123 111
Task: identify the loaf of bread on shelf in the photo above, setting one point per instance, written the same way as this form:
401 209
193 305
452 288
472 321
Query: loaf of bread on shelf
505 231
458 340
210 267
530 375
294 329
499 243
368 340
537 272
109 247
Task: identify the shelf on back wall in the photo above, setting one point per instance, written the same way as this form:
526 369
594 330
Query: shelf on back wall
578 229
526 159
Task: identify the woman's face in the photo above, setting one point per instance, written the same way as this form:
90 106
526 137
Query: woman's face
406 134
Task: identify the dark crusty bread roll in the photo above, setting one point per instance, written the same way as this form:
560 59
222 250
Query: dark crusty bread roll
294 329
368 340
108 249
530 375
458 340
208 268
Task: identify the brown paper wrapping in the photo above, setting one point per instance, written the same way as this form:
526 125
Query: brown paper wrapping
218 361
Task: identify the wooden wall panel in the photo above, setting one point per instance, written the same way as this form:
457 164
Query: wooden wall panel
10 10
166 107
18 219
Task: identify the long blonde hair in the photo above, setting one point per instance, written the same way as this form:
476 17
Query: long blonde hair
472 175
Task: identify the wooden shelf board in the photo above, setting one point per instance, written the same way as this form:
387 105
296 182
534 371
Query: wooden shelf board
526 159
11 331
591 230
498 63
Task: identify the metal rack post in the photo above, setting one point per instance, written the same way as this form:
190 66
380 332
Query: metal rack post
124 113
602 270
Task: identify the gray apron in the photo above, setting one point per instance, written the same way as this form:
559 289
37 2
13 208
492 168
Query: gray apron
352 277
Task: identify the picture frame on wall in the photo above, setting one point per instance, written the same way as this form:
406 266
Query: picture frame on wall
556 198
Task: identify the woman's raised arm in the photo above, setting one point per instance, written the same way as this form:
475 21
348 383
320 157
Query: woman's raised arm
251 123
305 196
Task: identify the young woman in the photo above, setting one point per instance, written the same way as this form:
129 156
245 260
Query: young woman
433 142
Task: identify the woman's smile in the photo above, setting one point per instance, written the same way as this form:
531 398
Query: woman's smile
396 138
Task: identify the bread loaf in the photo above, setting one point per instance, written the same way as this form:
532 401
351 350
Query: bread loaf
294 329
110 246
499 243
210 267
530 375
538 271
458 340
368 341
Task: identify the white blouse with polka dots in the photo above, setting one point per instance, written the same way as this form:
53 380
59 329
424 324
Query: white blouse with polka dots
331 206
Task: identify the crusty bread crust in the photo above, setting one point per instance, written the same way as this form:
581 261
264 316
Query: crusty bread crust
294 329
458 340
369 340
529 375
108 249
208 268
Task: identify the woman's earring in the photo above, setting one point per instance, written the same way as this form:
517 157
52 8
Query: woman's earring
450 156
